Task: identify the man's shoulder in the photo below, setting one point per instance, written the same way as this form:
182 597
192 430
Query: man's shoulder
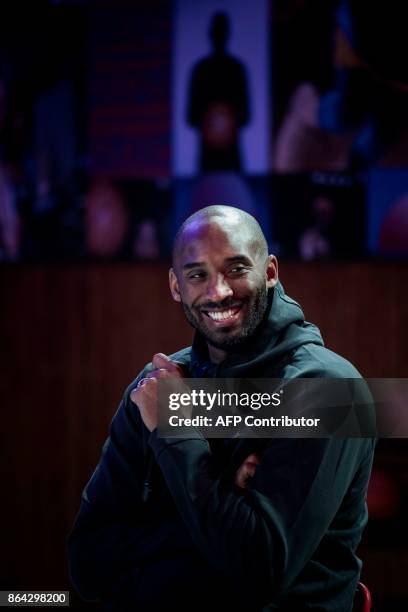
319 361
183 356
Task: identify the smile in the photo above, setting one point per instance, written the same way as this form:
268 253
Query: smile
227 315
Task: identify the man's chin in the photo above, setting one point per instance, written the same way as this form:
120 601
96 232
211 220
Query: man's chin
226 340
223 339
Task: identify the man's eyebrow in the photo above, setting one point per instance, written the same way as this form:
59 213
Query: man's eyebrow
193 264
227 260
238 258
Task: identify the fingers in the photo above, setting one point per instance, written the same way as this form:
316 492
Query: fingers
164 368
141 382
241 477
145 395
252 461
159 373
247 470
146 390
161 361
149 382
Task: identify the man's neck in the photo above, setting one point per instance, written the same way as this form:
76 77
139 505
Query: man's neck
215 354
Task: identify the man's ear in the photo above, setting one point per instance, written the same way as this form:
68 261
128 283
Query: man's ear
174 287
271 271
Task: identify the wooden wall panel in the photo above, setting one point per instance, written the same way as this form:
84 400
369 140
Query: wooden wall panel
72 338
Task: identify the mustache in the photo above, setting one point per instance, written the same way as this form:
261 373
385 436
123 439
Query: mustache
227 303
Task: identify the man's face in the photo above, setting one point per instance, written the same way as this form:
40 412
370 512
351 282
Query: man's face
221 278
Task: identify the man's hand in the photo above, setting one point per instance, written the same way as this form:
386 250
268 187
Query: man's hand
145 394
247 470
145 397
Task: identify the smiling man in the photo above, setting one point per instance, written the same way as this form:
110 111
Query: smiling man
232 524
221 275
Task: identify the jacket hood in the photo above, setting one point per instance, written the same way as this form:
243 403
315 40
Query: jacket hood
282 330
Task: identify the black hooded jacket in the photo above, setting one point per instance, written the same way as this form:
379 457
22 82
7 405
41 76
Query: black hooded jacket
161 526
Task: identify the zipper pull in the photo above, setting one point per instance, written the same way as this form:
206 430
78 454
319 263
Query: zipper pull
147 489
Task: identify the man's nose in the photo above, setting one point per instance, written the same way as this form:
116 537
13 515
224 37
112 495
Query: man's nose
218 289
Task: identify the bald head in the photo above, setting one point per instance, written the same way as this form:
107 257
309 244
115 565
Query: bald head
231 220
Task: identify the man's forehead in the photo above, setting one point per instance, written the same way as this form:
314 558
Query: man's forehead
211 237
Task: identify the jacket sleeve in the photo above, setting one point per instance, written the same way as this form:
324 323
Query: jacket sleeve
263 536
107 532
102 538
125 551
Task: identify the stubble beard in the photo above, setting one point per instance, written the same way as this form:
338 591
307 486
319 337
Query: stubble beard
224 339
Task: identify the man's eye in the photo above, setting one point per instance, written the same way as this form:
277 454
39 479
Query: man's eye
238 270
196 275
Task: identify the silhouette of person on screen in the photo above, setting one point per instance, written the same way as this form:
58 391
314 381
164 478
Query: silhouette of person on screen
218 103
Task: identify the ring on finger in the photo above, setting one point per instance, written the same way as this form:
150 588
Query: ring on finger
141 382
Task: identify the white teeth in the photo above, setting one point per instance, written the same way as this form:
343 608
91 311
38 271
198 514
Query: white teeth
220 316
